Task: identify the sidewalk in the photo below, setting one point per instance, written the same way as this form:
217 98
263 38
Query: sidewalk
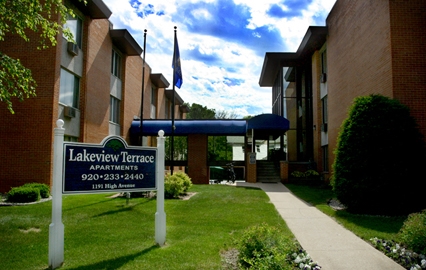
327 242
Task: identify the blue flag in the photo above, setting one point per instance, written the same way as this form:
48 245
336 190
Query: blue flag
177 71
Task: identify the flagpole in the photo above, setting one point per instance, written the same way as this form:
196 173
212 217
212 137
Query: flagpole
173 108
143 86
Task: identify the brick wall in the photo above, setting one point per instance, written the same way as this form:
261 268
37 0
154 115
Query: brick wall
26 142
376 47
197 159
161 103
26 137
284 176
359 58
132 92
251 170
407 22
97 83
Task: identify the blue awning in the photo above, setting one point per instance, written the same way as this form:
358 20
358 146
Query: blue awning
267 126
264 126
186 127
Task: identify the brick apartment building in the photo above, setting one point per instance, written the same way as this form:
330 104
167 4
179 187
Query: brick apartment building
366 47
94 85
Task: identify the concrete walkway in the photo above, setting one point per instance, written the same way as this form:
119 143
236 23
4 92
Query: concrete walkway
328 243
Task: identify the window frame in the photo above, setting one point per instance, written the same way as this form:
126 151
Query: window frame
116 64
154 93
115 110
78 35
75 89
324 109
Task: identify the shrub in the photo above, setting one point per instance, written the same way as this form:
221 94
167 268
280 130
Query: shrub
413 232
23 194
173 186
44 189
187 183
176 184
379 157
264 247
309 177
310 173
298 174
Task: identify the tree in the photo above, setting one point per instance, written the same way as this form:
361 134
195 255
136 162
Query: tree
197 111
379 161
222 114
180 148
16 18
219 149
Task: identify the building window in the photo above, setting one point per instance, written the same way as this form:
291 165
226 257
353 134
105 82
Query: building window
324 67
74 24
116 64
324 110
324 61
167 109
114 114
153 103
325 158
69 89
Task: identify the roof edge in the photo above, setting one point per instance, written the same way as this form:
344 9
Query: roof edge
314 38
125 42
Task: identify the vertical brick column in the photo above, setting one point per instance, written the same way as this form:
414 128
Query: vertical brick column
197 159
251 174
284 171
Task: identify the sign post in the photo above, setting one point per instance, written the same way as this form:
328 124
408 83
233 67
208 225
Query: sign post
111 166
160 215
56 228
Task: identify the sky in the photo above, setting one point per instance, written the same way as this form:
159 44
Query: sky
222 44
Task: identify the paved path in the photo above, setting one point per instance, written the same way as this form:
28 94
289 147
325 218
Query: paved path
328 243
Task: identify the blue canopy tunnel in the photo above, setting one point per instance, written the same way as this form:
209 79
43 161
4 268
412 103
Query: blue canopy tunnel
261 127
266 126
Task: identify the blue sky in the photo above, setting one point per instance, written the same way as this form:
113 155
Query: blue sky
222 43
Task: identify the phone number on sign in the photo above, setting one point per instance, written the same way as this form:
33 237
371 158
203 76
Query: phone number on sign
111 176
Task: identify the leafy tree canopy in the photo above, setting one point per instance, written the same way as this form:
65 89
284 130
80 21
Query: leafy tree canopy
17 18
197 111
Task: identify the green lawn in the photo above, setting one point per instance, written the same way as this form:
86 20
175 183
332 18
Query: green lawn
106 233
365 226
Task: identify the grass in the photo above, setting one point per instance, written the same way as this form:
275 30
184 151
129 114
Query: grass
365 226
106 233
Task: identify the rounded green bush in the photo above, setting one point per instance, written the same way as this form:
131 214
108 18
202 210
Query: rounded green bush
176 184
23 194
173 186
44 189
379 159
187 183
264 247
413 232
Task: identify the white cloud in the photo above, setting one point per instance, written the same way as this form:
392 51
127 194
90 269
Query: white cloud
230 83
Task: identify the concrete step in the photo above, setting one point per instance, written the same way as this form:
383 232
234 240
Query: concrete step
267 172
